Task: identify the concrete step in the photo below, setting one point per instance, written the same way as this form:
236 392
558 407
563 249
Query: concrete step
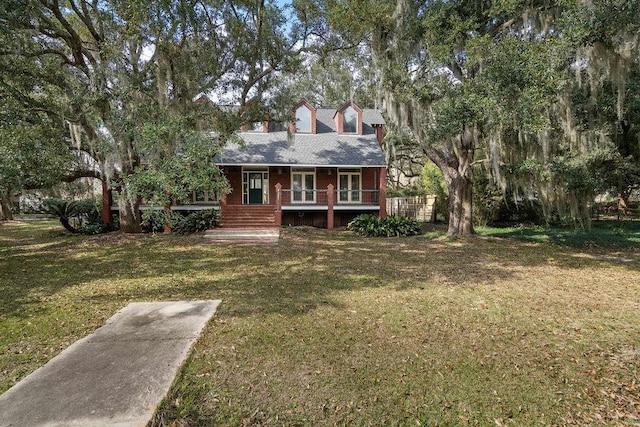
242 235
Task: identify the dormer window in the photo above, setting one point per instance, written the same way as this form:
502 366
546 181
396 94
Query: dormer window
256 127
303 118
349 119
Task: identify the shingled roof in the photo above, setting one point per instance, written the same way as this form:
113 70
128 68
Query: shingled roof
325 148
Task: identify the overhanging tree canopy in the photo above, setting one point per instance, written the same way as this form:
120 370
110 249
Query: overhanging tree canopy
131 73
487 85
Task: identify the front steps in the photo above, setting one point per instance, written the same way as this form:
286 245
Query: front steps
243 235
248 216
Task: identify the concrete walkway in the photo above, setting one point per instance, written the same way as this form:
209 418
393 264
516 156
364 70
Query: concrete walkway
116 376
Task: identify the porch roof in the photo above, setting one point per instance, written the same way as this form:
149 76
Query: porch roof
321 149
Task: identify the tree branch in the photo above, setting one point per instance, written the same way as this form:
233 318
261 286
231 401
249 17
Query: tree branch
81 173
84 17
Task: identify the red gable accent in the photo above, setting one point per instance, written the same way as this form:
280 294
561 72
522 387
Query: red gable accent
292 127
339 117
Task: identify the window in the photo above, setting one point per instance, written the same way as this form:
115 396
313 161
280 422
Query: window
303 119
204 197
303 185
349 185
350 120
256 127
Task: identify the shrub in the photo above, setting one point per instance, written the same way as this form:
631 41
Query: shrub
63 210
78 216
90 210
197 221
373 226
364 225
153 221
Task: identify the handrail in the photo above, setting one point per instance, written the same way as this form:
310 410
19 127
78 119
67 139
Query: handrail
318 197
304 197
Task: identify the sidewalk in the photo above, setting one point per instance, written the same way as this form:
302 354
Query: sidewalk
116 376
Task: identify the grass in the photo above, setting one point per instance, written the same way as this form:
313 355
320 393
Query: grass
617 234
333 329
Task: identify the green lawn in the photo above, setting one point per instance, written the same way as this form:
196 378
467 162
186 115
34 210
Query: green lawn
613 234
333 329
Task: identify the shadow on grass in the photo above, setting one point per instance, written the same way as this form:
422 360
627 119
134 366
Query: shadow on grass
56 288
297 275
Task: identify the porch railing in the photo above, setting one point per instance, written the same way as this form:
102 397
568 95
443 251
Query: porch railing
357 197
331 198
320 197
304 197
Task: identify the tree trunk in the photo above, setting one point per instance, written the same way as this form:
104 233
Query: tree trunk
455 160
5 205
623 201
130 220
460 188
107 201
167 225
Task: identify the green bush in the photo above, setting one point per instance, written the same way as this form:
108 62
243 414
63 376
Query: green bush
153 221
197 221
77 216
63 210
90 210
389 226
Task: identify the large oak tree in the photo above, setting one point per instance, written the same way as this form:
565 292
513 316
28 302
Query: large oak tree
488 87
131 77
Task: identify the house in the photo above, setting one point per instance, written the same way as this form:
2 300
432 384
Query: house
326 169
323 171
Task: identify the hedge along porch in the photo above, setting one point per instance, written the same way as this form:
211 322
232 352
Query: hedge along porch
326 170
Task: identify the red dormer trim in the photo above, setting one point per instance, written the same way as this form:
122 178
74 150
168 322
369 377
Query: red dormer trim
311 108
339 118
379 133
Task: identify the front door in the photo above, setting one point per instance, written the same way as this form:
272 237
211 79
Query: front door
255 188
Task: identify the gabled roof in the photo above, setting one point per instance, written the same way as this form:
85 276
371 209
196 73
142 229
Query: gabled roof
325 148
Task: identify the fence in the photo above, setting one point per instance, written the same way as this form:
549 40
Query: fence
421 208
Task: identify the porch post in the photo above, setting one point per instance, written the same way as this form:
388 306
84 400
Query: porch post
382 185
107 200
278 204
330 189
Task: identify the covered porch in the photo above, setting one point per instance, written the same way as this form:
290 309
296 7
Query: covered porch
320 196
